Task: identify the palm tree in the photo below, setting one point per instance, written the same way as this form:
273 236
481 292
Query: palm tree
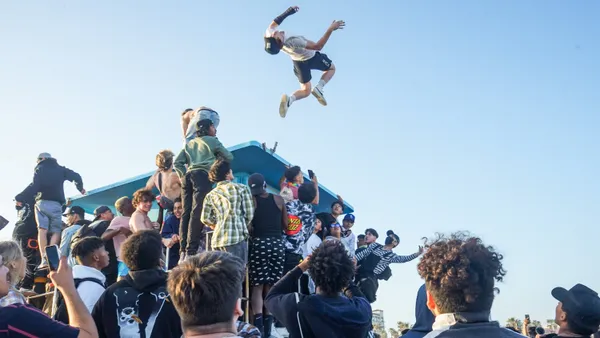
402 325
394 333
551 325
536 323
512 322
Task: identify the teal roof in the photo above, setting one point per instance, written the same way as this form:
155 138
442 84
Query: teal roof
249 158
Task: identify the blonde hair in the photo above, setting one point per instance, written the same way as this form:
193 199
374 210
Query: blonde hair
11 252
164 160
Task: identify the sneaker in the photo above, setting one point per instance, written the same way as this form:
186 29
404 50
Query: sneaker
279 332
284 105
318 93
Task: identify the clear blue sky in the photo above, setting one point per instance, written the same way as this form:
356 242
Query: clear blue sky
476 115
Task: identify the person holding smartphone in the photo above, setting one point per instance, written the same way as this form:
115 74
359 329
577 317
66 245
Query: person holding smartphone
17 319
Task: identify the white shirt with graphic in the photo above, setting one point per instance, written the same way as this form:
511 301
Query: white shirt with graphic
293 45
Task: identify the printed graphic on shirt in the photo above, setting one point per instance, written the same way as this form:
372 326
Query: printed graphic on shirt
128 311
302 223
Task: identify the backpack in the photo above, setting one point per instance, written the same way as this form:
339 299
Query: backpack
62 315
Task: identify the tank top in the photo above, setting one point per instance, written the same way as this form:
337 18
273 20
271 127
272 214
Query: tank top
267 218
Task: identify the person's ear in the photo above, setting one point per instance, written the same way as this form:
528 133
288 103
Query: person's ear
431 303
238 312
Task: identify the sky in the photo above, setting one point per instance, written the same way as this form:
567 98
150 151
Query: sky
442 116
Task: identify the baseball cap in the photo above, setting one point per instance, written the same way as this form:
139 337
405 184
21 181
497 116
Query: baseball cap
75 210
350 218
257 184
100 210
581 304
271 45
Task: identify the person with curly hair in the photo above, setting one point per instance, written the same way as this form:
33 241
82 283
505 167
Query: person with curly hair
142 202
460 274
374 262
338 309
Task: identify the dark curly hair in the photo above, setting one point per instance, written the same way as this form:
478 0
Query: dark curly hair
460 272
330 267
142 250
164 160
291 173
219 170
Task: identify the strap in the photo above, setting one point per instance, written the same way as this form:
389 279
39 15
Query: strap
159 186
298 314
88 279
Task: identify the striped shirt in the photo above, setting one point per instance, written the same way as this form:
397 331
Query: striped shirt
228 209
383 257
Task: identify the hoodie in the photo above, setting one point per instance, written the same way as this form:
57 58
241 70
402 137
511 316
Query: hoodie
138 306
48 182
89 292
468 325
424 317
316 315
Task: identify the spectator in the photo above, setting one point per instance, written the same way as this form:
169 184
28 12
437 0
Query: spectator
266 249
206 292
75 220
139 302
460 273
15 261
290 182
170 233
228 210
315 239
360 241
198 156
374 263
119 230
424 317
25 233
89 280
190 119
577 312
48 187
166 181
142 202
328 313
103 216
22 320
348 237
302 218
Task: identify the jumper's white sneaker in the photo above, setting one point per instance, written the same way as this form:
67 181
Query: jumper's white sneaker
279 332
284 105
318 93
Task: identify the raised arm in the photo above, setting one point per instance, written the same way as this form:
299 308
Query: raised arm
339 24
279 19
366 252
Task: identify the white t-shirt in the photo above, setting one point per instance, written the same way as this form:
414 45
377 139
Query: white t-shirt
294 46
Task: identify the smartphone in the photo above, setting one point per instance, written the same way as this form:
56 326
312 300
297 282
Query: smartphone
53 256
3 222
527 317
311 174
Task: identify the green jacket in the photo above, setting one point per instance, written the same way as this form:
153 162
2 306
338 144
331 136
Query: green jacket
200 154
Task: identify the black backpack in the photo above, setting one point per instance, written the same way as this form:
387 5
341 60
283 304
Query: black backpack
62 315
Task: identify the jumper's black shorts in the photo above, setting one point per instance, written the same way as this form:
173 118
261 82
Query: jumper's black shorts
266 260
319 62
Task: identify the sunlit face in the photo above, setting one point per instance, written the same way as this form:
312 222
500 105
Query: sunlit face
318 225
336 230
360 242
370 238
212 131
348 225
337 209
103 257
178 209
299 178
145 205
108 215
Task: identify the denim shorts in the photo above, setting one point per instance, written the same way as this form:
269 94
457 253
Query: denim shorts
48 216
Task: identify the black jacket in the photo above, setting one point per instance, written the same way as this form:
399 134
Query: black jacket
319 316
48 182
138 306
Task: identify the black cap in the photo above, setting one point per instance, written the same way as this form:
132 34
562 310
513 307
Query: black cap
272 46
581 304
100 210
75 210
257 184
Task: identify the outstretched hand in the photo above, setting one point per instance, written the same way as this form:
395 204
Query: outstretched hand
337 24
295 8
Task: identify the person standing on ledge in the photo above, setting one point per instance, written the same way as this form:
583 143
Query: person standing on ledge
306 56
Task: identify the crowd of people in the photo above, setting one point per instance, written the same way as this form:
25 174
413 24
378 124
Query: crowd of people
183 274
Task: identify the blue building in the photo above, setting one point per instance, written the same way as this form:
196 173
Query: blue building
249 158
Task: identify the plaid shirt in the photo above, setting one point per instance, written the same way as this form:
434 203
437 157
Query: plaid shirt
228 209
13 297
